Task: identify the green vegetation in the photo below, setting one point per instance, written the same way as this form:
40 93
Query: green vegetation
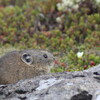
40 24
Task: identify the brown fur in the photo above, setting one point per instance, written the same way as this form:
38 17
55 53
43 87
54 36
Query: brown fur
13 69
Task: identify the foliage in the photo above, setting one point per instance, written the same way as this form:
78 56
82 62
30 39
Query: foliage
39 24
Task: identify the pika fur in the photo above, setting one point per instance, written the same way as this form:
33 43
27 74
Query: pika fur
17 65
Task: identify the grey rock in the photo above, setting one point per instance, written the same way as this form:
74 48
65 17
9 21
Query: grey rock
82 85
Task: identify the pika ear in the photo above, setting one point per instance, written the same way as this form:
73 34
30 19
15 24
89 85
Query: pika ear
27 58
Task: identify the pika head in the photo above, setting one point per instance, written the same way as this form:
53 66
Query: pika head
18 65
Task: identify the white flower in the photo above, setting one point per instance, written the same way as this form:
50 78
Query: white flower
67 2
58 20
60 6
75 7
97 1
80 54
69 5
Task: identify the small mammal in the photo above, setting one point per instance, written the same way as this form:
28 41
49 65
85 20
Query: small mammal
17 65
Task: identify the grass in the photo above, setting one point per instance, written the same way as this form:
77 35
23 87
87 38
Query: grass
6 49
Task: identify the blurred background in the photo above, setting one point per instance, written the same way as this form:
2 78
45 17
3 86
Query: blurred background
70 29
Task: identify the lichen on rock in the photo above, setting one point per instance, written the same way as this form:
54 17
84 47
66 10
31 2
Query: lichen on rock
82 85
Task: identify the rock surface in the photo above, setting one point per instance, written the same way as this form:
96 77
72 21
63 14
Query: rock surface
82 85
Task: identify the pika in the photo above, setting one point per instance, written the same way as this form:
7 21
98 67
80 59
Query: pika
19 65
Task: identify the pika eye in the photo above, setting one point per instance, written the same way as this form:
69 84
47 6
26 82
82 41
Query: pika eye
45 56
26 55
27 58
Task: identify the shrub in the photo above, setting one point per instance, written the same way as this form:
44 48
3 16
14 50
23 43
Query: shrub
40 24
